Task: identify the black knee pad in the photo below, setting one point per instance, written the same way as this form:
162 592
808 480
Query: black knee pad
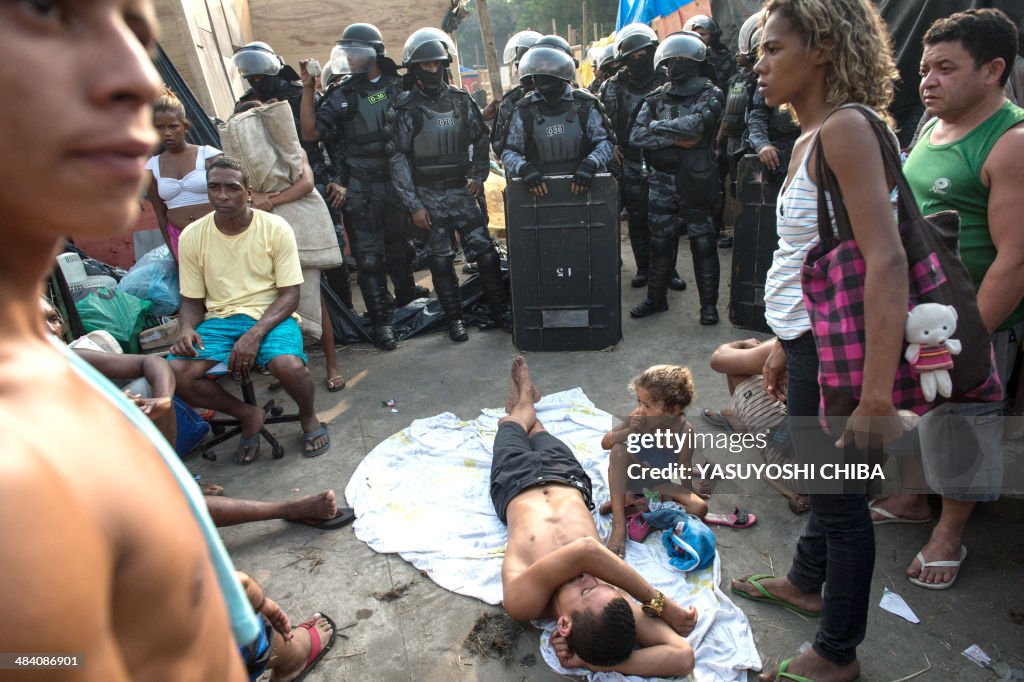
704 246
664 244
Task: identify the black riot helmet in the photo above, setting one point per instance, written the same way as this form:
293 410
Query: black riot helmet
559 43
683 44
364 35
428 45
543 60
633 37
750 38
518 44
257 59
705 22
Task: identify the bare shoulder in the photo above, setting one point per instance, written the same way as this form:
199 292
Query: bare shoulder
846 130
1007 154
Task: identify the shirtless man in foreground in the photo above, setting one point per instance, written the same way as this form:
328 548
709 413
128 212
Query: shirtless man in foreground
101 553
556 566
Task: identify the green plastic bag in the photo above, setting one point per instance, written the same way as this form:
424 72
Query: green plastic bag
120 314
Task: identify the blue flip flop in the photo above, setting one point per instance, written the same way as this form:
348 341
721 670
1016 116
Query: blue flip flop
312 436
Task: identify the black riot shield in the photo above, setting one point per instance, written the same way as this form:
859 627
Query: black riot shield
563 252
755 242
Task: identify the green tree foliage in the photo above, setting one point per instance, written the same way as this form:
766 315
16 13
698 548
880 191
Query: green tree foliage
508 18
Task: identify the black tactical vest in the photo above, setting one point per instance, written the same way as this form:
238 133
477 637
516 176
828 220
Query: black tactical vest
664 106
503 119
363 128
627 104
737 100
556 140
440 145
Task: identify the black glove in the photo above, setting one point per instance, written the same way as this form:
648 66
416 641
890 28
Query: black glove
584 174
531 176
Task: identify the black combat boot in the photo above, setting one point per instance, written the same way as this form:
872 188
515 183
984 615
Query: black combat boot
640 241
495 293
706 271
662 249
378 301
446 284
675 282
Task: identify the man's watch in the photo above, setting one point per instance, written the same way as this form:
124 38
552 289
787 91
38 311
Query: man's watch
654 607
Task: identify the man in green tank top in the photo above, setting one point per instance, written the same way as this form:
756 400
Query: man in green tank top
969 158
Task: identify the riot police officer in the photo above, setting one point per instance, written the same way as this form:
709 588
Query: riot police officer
621 96
432 129
351 122
771 131
515 48
676 126
737 104
605 66
556 129
270 79
719 55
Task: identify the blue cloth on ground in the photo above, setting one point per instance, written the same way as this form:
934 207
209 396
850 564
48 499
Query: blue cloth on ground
220 334
690 550
244 623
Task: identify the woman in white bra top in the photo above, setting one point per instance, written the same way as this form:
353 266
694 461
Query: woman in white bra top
177 187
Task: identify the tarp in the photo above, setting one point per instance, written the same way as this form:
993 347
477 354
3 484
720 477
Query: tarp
644 11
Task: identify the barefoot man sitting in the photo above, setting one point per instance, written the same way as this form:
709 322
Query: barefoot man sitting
556 566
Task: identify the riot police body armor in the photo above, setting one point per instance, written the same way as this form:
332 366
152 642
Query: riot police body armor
677 125
351 120
433 127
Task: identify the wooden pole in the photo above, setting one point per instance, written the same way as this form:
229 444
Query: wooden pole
490 53
554 27
584 26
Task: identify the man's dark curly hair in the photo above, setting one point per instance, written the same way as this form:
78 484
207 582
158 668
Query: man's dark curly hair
605 639
986 34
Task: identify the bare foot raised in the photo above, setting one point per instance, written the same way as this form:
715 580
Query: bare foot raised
810 665
320 506
521 375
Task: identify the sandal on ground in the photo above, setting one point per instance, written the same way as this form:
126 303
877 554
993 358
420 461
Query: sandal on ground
939 564
245 443
784 674
770 598
335 384
342 517
889 517
317 649
716 418
211 490
309 437
738 519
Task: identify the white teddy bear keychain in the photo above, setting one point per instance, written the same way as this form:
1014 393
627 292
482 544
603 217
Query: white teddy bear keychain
930 351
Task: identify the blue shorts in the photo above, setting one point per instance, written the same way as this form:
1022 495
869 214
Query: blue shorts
220 334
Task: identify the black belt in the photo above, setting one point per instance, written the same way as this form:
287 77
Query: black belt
453 183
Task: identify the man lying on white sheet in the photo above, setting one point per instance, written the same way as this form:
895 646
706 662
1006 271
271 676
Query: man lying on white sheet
556 566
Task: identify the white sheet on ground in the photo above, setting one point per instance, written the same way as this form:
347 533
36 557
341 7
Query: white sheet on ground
424 493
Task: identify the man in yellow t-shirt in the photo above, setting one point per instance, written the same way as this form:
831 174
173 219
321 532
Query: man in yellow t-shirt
240 277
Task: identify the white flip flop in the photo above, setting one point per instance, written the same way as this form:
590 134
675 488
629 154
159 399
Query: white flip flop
890 517
939 564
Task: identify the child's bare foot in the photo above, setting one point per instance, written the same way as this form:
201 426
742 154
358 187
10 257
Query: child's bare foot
617 540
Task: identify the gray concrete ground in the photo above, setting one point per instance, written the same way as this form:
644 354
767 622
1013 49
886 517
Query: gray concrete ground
420 635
